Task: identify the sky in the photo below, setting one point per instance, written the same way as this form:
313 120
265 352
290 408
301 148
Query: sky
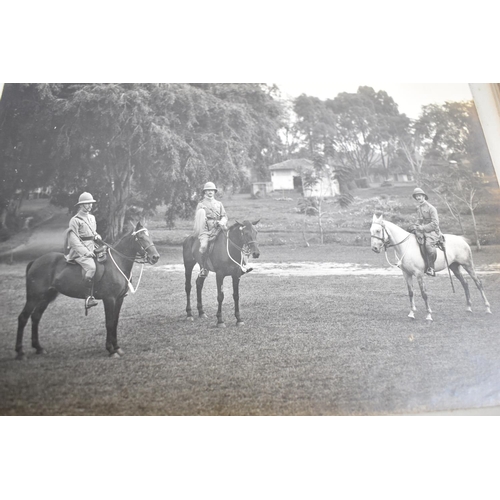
409 97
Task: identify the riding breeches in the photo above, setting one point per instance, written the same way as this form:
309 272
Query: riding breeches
203 242
88 265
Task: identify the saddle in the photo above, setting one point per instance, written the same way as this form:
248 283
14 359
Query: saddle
99 268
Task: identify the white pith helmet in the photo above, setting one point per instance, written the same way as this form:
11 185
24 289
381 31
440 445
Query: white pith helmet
209 185
419 191
85 198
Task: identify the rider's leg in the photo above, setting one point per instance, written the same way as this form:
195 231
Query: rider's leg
88 265
204 255
431 252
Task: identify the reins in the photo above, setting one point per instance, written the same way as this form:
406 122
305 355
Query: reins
133 259
387 244
244 253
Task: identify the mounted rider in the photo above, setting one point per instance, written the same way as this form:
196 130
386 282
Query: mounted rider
211 216
81 241
427 229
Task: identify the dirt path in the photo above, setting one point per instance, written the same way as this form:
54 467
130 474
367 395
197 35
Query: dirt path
45 237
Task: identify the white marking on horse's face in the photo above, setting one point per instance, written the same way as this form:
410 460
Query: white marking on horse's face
376 232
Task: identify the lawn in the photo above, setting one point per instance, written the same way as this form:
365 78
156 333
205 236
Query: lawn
311 345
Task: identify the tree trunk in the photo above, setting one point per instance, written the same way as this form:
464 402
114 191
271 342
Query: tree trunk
478 244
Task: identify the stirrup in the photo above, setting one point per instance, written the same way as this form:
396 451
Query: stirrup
88 305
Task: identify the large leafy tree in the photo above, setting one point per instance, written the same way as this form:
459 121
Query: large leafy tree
134 146
369 125
27 131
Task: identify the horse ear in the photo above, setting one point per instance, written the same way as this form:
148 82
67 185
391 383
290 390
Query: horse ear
138 226
255 223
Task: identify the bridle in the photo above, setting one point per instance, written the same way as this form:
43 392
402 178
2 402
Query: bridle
244 250
386 244
143 257
144 249
143 260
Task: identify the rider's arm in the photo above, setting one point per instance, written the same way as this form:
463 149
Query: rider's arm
433 225
223 216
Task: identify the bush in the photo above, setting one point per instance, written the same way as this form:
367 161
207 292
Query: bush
362 183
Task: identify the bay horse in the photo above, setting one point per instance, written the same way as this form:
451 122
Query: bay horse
49 275
385 234
229 257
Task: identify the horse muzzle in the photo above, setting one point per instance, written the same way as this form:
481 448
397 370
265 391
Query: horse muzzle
153 259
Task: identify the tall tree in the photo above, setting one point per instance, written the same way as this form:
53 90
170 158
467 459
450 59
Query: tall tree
27 131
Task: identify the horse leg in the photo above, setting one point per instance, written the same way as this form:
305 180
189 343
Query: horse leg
409 283
199 288
111 324
21 323
188 272
472 273
236 298
36 316
420 279
118 307
455 267
220 299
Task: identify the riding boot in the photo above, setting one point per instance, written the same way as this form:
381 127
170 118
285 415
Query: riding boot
431 259
204 270
90 300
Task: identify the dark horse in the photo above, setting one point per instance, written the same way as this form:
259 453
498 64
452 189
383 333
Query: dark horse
50 275
228 257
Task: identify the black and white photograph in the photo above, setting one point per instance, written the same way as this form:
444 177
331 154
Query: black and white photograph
249 249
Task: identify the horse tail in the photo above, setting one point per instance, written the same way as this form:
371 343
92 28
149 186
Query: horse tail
199 222
29 266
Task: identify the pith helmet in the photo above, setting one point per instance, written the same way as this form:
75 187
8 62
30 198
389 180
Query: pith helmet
419 191
85 198
209 185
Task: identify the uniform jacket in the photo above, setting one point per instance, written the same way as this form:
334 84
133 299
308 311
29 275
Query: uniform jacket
80 236
214 211
428 219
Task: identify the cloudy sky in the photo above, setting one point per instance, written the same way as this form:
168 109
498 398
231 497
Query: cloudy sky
410 97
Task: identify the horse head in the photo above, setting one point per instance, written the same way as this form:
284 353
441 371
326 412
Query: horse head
145 244
379 237
248 236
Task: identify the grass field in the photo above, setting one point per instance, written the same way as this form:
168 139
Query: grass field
311 345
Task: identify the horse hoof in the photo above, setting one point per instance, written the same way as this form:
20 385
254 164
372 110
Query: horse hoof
429 319
120 352
41 351
203 316
115 355
221 325
469 310
411 315
488 311
21 357
240 323
189 318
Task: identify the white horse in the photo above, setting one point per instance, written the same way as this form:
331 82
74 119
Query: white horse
385 234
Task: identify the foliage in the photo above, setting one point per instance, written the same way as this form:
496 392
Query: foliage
136 144
27 130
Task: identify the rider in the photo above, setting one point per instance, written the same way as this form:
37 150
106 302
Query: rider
427 230
215 216
81 240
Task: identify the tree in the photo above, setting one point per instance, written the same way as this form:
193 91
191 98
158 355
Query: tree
27 130
368 127
151 143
